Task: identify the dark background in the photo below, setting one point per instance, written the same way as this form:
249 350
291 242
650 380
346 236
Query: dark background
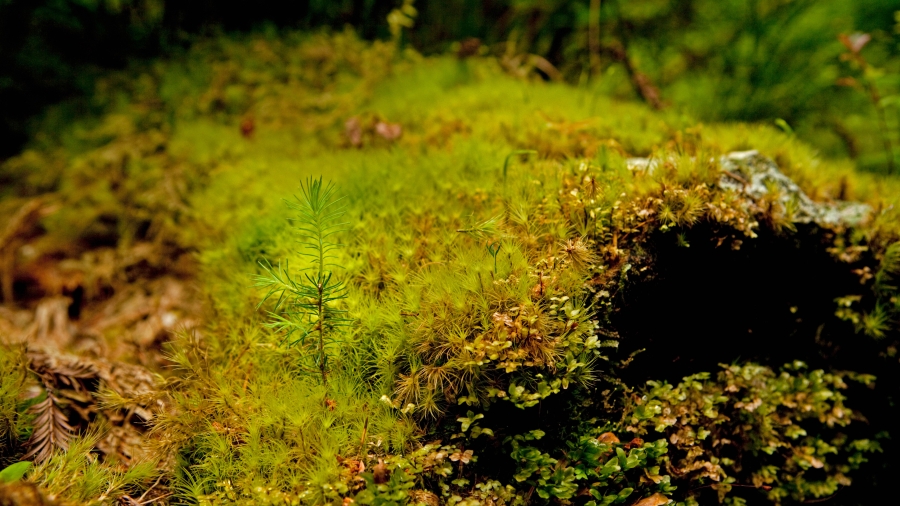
747 60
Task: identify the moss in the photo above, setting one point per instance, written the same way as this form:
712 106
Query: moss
12 423
490 296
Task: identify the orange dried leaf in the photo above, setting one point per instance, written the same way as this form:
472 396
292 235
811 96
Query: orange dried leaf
608 437
656 499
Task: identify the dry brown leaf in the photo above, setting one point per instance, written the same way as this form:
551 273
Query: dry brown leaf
51 328
11 237
124 392
608 438
463 457
51 429
634 443
655 478
388 131
656 499
380 472
123 443
353 130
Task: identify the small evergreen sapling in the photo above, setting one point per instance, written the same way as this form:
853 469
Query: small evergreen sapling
305 305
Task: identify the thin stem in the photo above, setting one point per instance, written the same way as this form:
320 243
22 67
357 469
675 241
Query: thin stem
321 326
365 431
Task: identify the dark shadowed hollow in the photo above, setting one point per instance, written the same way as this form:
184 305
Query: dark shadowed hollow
770 300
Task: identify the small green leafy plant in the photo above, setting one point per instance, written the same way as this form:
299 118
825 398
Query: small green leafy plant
751 427
14 472
305 306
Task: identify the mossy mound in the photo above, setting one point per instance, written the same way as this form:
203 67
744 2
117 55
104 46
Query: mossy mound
517 292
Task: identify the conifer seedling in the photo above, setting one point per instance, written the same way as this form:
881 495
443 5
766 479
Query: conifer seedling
305 306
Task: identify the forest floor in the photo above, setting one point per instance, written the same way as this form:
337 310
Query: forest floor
512 277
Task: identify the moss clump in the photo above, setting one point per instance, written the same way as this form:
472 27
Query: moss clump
492 351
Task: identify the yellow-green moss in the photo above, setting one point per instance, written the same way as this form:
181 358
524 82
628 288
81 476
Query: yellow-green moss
441 326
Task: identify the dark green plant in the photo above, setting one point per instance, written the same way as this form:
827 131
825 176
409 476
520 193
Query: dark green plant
616 472
751 427
394 490
596 464
306 306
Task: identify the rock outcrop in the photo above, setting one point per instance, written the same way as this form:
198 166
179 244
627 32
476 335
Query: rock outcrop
756 176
